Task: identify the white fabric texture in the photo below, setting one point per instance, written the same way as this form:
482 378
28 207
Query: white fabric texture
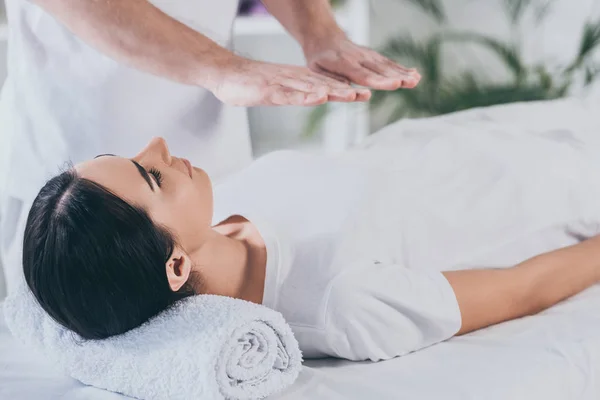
14 214
207 347
330 270
360 240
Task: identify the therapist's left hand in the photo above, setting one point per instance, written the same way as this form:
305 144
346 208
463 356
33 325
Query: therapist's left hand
341 59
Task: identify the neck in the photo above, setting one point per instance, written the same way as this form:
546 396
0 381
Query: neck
233 261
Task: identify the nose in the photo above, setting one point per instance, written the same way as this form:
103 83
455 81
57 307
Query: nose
155 150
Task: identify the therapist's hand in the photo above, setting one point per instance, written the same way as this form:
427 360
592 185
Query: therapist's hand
243 82
340 58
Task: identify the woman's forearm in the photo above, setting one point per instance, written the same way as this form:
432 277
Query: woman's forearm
138 34
488 297
308 21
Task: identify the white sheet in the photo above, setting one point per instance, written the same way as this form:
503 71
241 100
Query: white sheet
26 376
551 356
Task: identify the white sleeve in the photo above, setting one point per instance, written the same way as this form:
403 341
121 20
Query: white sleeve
385 310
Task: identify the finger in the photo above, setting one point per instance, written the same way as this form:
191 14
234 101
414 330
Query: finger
411 83
408 80
341 93
305 85
369 55
362 94
394 65
401 79
338 92
383 70
355 73
332 75
360 97
317 76
344 92
366 77
282 96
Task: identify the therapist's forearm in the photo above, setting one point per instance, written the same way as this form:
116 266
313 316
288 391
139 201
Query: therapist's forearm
136 33
308 21
488 297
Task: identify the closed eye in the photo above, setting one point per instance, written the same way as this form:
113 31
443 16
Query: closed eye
153 171
157 176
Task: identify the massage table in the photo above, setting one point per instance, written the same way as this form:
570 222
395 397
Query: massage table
554 355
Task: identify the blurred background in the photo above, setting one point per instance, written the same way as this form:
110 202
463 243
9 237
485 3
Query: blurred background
470 53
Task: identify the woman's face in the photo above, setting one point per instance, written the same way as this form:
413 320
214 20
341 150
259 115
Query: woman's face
174 194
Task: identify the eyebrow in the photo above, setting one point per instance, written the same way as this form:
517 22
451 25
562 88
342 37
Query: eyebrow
144 174
140 169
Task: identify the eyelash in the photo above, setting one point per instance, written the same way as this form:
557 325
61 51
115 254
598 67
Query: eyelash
157 175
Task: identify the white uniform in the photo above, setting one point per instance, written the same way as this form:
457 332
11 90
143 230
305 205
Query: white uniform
63 100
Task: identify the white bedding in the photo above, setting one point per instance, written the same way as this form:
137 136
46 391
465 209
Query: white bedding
551 356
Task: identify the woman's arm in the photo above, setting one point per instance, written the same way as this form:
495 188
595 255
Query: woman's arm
138 34
488 297
379 311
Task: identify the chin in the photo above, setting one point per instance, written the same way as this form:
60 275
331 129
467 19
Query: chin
199 173
201 179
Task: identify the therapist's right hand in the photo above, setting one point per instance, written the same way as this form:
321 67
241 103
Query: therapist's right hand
243 82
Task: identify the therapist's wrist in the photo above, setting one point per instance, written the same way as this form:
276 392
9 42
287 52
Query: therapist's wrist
315 40
213 66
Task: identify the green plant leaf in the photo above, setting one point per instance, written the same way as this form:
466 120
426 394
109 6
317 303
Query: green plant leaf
591 73
541 10
337 3
505 51
378 97
400 111
315 120
405 47
589 42
433 8
515 9
457 96
545 78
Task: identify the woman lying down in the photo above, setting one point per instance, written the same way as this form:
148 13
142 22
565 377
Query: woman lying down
369 255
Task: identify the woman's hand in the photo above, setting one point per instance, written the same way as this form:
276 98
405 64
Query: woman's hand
341 59
243 82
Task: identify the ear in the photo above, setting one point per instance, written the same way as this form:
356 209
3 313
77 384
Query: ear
179 268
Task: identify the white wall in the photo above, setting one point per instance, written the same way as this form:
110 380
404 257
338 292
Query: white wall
2 45
2 61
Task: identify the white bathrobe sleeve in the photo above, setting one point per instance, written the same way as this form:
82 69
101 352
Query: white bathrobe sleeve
383 311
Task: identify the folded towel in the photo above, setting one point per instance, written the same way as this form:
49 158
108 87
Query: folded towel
206 347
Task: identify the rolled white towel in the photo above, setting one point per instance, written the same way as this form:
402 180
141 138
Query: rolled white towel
206 347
